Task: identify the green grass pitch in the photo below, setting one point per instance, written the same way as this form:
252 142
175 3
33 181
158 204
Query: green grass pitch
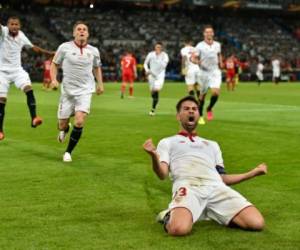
108 197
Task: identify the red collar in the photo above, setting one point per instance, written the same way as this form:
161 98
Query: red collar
80 46
187 134
13 35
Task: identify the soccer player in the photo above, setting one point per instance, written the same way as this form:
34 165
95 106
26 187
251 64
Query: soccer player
129 73
155 67
210 62
46 75
276 69
259 73
80 64
190 70
200 184
231 67
12 41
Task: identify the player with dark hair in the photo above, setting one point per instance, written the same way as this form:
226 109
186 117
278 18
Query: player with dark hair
200 183
81 64
12 41
155 67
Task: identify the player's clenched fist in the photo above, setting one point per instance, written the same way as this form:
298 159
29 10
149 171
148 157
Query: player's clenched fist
149 147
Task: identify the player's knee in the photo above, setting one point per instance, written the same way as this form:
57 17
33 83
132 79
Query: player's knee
257 224
179 228
3 100
27 88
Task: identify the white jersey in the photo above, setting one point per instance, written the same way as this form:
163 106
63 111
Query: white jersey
188 52
193 161
10 49
77 65
276 66
209 55
157 64
260 68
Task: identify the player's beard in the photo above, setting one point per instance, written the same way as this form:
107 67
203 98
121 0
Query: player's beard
188 126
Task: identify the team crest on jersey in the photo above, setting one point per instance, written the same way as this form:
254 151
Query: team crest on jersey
181 141
206 143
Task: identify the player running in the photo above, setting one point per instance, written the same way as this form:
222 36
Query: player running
190 70
231 66
210 62
155 67
12 41
80 63
129 73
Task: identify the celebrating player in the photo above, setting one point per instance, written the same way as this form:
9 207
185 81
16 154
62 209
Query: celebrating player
190 70
155 67
128 67
200 184
210 62
80 64
12 41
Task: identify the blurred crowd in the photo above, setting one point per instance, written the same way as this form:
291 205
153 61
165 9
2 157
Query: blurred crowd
251 38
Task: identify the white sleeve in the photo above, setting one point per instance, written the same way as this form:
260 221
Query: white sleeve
26 41
1 30
163 150
59 55
218 155
219 48
147 60
165 60
97 59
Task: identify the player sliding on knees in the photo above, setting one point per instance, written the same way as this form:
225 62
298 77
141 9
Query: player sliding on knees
12 41
80 64
200 183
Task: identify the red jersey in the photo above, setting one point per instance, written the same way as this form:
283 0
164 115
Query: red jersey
128 64
47 65
230 65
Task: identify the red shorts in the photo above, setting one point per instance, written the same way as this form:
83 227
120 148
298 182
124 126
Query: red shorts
230 75
47 77
127 77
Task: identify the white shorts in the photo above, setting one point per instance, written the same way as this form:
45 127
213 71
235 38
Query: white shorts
210 79
69 104
18 76
156 83
276 73
220 203
260 76
192 76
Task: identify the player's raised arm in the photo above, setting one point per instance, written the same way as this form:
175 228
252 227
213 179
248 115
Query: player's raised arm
160 168
231 179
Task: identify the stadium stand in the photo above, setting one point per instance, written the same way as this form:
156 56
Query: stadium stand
135 28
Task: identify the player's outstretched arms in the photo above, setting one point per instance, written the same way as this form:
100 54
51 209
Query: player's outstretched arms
231 179
39 50
161 169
